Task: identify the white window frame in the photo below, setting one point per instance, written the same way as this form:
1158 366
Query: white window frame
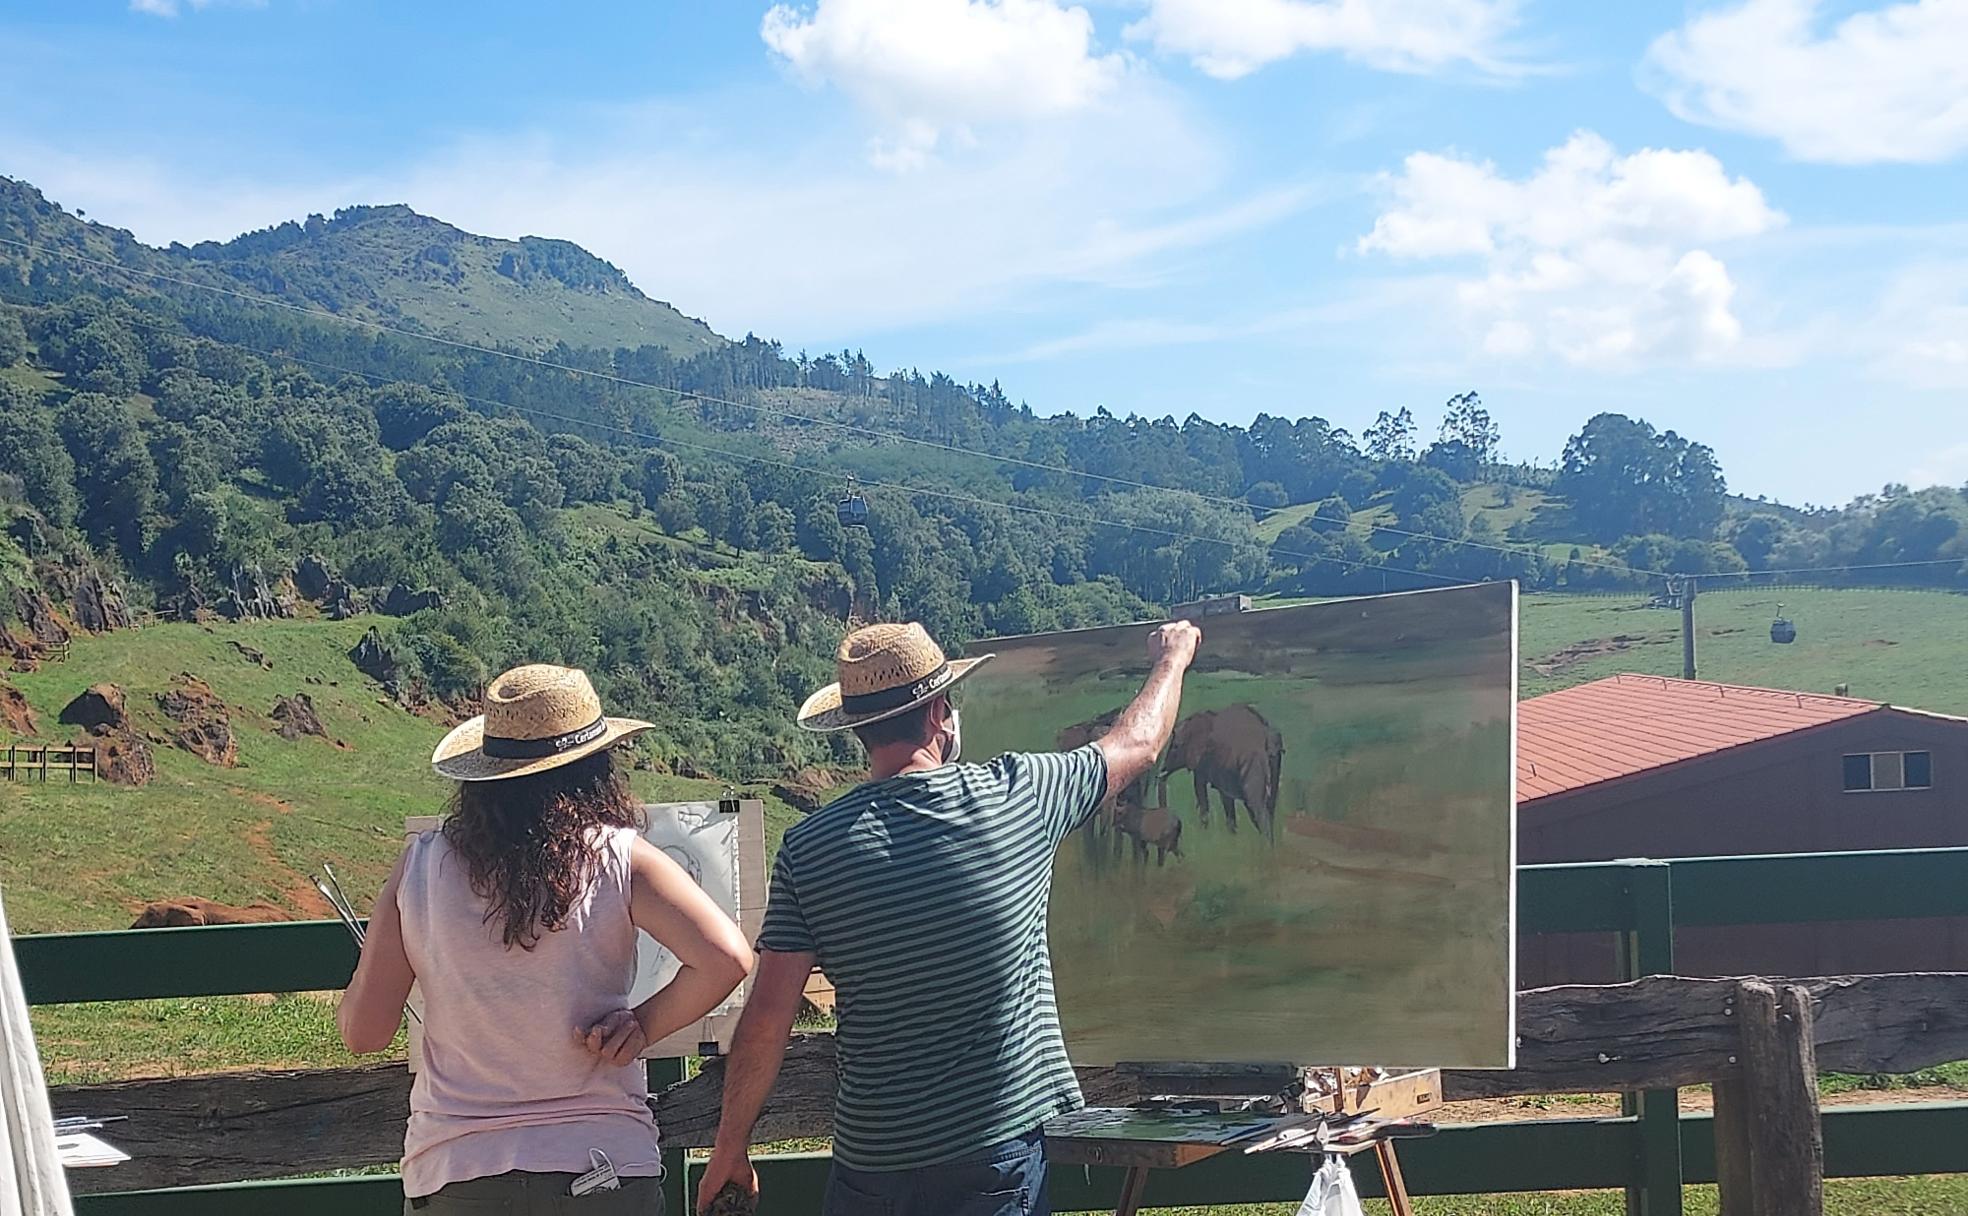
1899 759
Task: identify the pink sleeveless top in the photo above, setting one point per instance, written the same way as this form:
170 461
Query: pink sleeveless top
504 1085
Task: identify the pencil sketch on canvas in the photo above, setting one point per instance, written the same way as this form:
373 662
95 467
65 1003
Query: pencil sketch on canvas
704 841
1319 870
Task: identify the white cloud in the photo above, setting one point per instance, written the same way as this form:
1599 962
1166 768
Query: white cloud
1232 38
1890 84
932 69
1916 330
171 8
1597 258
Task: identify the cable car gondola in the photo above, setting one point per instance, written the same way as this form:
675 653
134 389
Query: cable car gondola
853 509
1782 631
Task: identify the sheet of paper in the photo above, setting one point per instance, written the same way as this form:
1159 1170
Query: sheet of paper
80 1150
704 841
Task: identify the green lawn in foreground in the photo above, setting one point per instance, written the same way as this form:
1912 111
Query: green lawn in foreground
1934 1196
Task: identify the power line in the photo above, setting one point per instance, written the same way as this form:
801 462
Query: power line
1938 561
704 398
664 441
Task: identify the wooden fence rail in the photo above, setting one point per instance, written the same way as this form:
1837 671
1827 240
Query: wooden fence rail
1654 1033
34 761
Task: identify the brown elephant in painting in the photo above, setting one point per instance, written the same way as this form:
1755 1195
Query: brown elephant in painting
1147 826
1235 752
1079 735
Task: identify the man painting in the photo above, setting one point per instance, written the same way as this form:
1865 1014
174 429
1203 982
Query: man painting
922 894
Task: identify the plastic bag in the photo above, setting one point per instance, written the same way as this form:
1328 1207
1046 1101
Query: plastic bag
1332 1192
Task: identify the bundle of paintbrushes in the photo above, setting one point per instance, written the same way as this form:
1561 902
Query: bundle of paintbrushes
331 890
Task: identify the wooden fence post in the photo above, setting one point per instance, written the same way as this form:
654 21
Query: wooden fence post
1769 1141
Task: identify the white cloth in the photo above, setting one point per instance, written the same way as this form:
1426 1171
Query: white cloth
31 1179
1332 1192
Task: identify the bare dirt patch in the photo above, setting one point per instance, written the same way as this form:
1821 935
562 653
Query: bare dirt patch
296 890
1581 652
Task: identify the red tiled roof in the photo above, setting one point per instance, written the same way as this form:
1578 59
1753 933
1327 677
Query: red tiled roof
1628 724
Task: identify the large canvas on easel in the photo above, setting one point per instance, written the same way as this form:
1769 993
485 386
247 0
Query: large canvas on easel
1362 909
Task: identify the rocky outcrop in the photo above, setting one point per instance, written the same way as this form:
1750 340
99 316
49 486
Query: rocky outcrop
201 724
312 578
123 758
99 706
16 715
297 717
402 600
343 601
807 790
36 613
188 603
99 605
373 659
251 597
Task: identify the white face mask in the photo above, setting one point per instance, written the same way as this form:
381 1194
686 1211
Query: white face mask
955 732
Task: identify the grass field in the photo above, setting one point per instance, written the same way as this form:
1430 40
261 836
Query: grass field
1900 646
1945 1196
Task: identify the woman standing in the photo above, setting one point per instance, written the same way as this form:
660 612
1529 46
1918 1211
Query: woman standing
517 920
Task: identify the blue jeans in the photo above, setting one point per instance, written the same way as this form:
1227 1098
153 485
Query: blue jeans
1007 1179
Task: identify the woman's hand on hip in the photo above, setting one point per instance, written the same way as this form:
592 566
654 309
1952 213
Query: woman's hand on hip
616 1039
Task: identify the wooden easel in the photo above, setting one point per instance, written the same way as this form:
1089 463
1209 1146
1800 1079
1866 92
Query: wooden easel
1367 1104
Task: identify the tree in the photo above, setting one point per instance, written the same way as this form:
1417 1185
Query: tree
32 451
1429 502
657 476
1757 537
114 472
13 338
1466 422
405 413
1623 478
1266 494
1334 509
1392 436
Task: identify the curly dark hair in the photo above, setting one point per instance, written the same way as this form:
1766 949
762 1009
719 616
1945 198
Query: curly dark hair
528 842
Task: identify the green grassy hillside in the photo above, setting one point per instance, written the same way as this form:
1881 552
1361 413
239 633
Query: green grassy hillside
386 264
87 856
1898 646
1509 513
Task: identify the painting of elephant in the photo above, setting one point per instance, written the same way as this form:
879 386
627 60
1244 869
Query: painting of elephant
1079 735
1235 752
1370 917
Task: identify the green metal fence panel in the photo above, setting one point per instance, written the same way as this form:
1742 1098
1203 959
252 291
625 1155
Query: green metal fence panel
1805 887
1581 898
216 960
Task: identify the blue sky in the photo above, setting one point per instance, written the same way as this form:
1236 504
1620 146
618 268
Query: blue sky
1741 220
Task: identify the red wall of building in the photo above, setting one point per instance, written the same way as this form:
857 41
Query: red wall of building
1782 796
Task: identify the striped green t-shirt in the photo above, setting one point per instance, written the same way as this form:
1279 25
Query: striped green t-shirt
924 897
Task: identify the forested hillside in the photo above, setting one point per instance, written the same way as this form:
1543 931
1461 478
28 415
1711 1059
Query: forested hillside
386 264
664 514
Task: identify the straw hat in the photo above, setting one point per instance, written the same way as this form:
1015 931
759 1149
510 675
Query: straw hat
884 670
536 718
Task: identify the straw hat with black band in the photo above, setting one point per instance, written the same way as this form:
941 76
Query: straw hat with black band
536 718
885 671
